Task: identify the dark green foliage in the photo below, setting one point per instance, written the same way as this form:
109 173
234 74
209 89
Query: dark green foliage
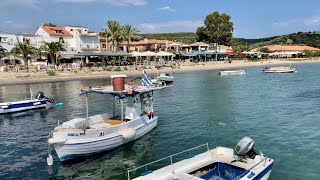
264 50
217 28
185 37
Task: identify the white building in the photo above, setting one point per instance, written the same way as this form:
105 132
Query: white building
56 34
74 38
8 41
83 39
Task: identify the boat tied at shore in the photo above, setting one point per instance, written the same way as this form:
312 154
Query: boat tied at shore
281 69
40 101
132 116
242 163
232 73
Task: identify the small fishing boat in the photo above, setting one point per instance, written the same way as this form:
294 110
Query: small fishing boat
232 73
40 101
163 77
132 117
281 69
221 163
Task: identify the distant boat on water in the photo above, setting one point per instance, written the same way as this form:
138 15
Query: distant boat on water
281 69
232 73
40 101
221 163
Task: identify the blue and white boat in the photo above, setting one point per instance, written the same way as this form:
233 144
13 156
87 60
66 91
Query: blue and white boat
220 163
89 135
40 101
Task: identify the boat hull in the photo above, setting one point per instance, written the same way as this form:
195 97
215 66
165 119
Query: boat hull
22 106
232 73
279 71
67 150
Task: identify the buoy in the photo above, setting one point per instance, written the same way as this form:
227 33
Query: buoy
59 104
49 160
128 133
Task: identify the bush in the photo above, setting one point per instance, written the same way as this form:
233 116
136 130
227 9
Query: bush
51 73
117 69
125 68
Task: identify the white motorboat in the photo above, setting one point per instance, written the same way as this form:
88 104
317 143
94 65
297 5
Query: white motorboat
232 73
220 163
163 77
40 101
94 134
281 69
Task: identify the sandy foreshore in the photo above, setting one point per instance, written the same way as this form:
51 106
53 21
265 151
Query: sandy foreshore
12 78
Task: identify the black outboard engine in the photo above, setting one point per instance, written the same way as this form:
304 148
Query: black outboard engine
40 95
245 149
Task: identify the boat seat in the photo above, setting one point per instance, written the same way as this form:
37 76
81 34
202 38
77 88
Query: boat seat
113 122
74 123
99 126
98 118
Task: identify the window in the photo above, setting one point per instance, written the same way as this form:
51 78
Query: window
3 39
71 29
104 46
59 31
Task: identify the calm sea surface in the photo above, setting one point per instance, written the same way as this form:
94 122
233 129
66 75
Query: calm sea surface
281 112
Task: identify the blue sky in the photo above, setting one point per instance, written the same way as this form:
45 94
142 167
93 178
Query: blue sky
251 18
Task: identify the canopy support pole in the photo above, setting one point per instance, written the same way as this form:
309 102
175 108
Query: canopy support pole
87 108
121 101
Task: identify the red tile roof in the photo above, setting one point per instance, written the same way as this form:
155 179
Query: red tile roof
53 31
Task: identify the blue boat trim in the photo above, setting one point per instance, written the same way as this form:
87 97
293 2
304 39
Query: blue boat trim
264 172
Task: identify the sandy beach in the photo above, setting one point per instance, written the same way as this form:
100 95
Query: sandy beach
12 78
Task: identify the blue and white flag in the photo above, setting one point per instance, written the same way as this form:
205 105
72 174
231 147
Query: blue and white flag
145 81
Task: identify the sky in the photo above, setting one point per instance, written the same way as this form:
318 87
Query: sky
251 18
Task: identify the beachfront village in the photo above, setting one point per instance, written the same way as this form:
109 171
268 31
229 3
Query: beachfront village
118 48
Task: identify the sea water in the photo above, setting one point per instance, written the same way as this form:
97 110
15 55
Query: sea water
281 112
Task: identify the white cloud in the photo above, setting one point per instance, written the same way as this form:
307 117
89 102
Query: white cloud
315 20
111 2
167 8
12 26
171 26
19 3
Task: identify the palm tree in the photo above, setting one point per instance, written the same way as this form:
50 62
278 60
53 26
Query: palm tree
114 31
128 33
52 48
3 52
25 50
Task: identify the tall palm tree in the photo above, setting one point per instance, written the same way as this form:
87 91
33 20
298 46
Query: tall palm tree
114 31
128 33
3 52
52 48
25 50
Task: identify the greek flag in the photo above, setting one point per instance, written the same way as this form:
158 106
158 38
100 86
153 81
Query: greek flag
145 80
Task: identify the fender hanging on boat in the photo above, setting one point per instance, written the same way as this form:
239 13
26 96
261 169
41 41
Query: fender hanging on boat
128 133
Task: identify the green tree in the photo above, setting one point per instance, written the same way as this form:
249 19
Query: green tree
264 50
308 53
114 31
128 33
217 29
25 50
3 52
49 24
53 48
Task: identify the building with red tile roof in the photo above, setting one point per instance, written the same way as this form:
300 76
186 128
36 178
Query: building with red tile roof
288 48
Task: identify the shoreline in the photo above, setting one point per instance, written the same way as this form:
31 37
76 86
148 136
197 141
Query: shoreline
15 78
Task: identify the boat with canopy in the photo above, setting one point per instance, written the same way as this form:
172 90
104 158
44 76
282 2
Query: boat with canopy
131 117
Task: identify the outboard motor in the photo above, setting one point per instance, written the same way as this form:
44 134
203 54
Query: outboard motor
40 95
245 149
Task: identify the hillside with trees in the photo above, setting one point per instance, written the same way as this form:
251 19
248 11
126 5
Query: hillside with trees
306 38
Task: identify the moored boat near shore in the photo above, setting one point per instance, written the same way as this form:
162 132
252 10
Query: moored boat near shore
232 73
40 101
281 69
220 163
132 117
